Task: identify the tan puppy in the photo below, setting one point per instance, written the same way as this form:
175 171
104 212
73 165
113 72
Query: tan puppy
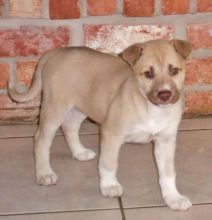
135 97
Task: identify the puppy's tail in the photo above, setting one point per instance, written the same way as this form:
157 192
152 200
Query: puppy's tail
34 89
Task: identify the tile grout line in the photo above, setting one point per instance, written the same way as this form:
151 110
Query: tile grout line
121 208
197 129
32 136
96 210
165 206
58 212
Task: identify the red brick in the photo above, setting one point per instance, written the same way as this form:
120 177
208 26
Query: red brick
204 5
7 103
175 7
25 9
19 115
31 40
25 71
64 9
200 35
101 7
198 103
136 8
4 75
199 71
114 38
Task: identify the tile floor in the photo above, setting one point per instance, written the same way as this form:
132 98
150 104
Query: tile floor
77 195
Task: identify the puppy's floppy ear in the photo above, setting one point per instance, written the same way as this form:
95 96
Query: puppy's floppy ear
182 47
132 53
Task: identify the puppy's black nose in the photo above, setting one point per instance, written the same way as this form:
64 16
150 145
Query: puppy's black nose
164 95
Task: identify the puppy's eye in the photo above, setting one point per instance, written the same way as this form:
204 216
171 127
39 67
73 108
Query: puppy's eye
149 74
173 70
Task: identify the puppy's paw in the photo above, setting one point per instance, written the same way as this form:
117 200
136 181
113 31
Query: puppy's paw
48 179
113 190
178 202
86 154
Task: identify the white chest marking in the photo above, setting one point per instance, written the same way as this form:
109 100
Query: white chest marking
156 121
142 132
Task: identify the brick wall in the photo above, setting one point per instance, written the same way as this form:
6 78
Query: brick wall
28 28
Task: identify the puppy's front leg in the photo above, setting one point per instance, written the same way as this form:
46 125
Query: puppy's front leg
108 164
164 155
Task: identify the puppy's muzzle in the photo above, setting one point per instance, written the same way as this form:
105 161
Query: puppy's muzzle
164 95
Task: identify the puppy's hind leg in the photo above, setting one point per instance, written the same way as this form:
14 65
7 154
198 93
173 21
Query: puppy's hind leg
71 128
50 120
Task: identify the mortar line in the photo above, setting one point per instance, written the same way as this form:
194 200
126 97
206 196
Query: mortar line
5 9
119 6
157 7
202 53
180 29
193 6
77 35
45 9
82 4
113 19
198 88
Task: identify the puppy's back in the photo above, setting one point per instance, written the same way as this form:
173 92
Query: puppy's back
89 78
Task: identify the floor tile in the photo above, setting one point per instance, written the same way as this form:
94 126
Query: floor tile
138 175
203 212
7 131
196 124
83 215
77 188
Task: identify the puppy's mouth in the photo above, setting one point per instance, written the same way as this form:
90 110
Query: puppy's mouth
164 97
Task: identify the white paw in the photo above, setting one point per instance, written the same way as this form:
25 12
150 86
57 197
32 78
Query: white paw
113 190
178 202
48 179
87 154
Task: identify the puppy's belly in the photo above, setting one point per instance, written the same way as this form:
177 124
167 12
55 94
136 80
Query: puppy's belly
139 137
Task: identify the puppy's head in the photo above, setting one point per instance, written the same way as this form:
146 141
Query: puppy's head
159 68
